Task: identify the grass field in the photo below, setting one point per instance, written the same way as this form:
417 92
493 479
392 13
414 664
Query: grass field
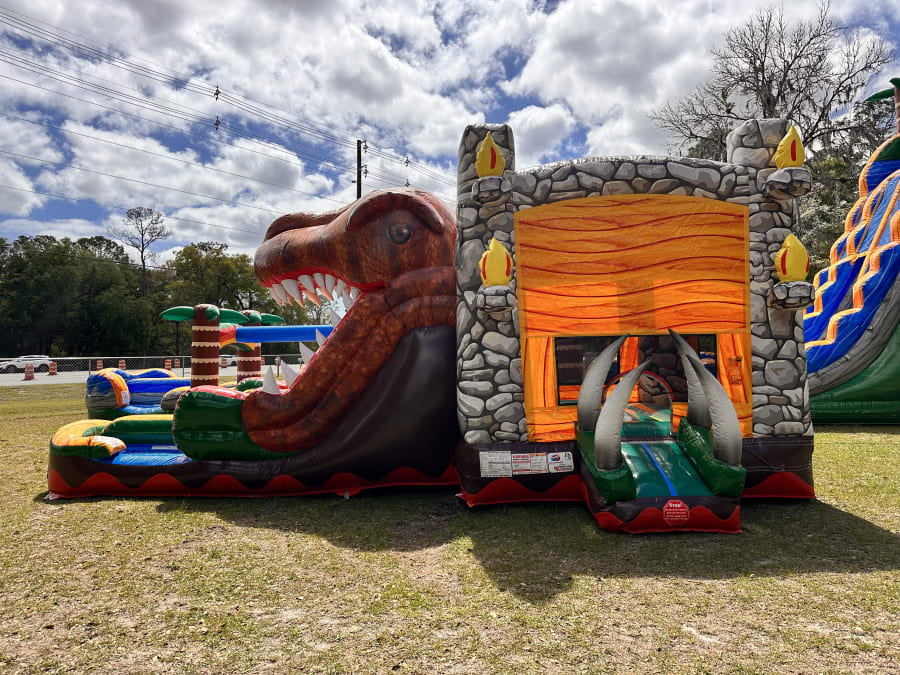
411 581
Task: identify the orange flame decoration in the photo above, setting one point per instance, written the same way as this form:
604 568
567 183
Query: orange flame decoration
790 151
792 260
495 265
488 160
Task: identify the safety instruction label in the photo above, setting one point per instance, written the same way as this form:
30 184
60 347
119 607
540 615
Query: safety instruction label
560 462
529 463
495 464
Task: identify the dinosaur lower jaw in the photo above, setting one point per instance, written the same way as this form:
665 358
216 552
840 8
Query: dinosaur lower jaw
343 367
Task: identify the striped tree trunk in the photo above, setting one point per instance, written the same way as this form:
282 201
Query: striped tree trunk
249 364
204 348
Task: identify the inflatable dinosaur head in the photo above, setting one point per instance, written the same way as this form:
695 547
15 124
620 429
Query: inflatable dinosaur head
390 257
362 247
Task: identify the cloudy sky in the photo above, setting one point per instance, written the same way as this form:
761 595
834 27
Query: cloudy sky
94 92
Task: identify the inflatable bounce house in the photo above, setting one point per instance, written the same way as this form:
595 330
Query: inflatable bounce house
853 328
624 331
114 392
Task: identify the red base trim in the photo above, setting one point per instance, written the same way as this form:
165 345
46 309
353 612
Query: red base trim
651 520
507 490
701 520
165 485
783 485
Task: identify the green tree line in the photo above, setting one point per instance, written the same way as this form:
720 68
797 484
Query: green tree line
84 297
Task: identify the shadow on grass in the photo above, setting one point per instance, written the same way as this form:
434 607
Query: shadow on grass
533 550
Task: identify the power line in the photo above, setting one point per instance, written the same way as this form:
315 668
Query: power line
188 83
388 178
135 180
169 157
163 124
125 208
92 53
148 103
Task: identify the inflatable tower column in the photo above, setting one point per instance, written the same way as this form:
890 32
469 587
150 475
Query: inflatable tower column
249 364
489 366
205 346
782 426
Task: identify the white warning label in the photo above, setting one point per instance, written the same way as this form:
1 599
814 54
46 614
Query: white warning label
560 462
495 464
529 463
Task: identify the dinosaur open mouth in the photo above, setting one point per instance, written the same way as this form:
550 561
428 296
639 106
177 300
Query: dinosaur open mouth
301 285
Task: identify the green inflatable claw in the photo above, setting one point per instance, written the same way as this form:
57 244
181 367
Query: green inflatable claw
208 426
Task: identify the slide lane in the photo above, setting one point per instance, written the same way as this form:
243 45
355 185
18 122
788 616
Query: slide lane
661 469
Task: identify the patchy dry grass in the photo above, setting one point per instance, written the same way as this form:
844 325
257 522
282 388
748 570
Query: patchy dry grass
411 581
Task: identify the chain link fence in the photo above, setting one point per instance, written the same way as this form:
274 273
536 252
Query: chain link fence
180 365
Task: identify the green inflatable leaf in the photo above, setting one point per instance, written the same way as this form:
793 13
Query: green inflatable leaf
271 319
212 313
252 316
232 316
178 314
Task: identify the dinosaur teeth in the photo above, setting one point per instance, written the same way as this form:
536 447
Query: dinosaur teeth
329 285
335 319
311 296
354 293
320 339
290 285
307 283
280 295
348 301
305 352
270 386
321 288
340 288
290 375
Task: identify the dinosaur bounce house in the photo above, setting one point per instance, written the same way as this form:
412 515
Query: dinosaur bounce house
627 332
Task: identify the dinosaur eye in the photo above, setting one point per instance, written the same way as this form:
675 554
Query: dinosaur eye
399 233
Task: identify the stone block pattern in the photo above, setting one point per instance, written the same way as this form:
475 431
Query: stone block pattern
489 365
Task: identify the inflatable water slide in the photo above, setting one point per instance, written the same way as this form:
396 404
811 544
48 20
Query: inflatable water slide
853 328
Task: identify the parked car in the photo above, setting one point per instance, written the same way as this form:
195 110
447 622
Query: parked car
230 359
41 364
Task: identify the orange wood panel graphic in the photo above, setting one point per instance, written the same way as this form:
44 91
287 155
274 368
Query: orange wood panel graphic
635 264
735 359
632 263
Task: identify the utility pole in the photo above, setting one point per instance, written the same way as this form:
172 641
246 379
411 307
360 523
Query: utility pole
358 168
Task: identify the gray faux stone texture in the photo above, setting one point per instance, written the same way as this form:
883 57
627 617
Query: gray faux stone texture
489 364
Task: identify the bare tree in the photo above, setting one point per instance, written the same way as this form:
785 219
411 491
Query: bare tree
141 228
809 72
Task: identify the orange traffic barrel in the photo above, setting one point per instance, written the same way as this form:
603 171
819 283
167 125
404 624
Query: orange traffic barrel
52 368
29 371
